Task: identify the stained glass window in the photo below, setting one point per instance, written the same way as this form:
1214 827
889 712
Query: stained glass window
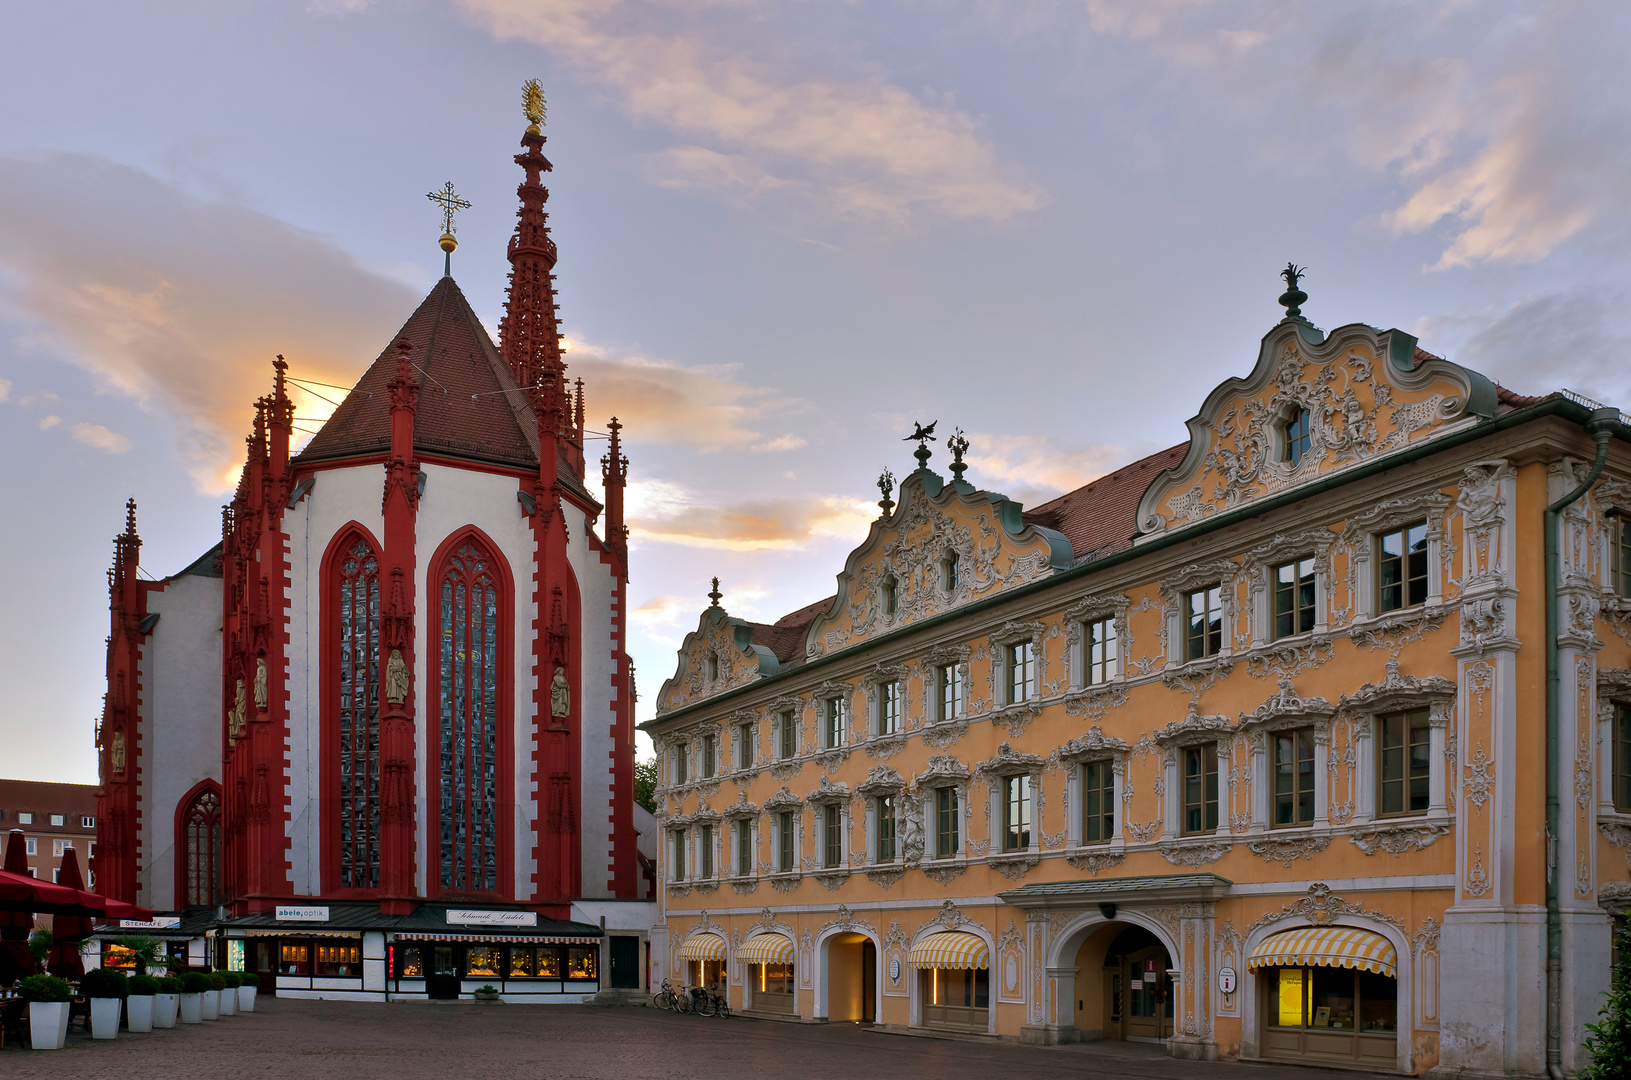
359 717
203 838
469 635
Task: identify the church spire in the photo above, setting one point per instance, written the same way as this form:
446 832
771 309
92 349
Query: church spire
529 335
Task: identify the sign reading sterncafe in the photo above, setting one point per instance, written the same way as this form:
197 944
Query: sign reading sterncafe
457 917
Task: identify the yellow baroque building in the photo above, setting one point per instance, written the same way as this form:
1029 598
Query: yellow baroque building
1243 748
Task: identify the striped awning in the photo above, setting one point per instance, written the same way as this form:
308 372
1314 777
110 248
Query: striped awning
704 947
766 949
1327 946
507 939
296 932
953 949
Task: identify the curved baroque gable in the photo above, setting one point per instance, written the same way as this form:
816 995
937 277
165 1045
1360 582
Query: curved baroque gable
730 642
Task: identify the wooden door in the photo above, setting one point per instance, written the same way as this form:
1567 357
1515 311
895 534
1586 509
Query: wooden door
1148 1010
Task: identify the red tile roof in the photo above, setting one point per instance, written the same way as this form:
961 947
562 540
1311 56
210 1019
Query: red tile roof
469 404
785 637
1102 517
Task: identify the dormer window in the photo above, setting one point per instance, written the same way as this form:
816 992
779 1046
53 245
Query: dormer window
950 569
891 596
1296 437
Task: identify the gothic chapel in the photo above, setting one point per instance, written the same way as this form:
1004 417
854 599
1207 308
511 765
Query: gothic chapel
397 693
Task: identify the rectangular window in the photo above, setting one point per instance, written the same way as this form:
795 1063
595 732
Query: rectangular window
888 708
59 820
294 958
31 846
884 810
582 963
1622 528
1201 788
1402 771
744 848
945 823
950 682
787 733
680 764
1099 650
1098 802
87 822
345 961
1294 604
91 852
1293 792
677 862
705 851
480 962
744 746
59 846
522 962
707 756
1204 634
1622 762
950 569
1401 568
25 817
891 597
1019 672
784 842
833 725
1016 813
832 836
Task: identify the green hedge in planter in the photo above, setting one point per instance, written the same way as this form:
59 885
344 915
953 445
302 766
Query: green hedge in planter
45 988
104 983
144 986
196 982
231 978
217 980
248 978
170 984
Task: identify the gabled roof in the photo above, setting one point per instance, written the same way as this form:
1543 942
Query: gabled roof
469 407
1101 518
785 637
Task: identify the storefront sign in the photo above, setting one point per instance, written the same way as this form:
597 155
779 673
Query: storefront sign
163 922
492 918
894 969
302 914
1226 980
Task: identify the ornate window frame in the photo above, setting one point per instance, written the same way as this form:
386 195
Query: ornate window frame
1613 694
1195 729
1009 764
1092 609
736 721
1174 588
1286 711
1077 754
736 814
881 781
827 754
944 771
1259 566
785 802
1395 694
828 794
1360 536
940 658
1014 715
872 683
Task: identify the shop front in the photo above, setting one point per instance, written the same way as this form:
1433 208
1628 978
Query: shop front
522 968
704 959
1328 994
769 962
953 981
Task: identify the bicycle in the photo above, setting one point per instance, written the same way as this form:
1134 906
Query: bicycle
709 1003
666 998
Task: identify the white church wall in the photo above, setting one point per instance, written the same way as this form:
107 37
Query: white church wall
181 679
454 499
595 586
339 497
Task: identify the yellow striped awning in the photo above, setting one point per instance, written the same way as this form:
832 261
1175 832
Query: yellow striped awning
952 949
703 947
1327 946
766 949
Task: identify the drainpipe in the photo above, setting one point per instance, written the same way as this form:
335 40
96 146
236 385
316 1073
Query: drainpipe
1601 427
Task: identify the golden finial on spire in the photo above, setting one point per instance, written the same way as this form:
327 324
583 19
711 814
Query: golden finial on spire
532 106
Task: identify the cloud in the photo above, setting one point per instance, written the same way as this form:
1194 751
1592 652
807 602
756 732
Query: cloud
1033 469
665 610
50 422
100 437
180 303
664 512
5 389
865 148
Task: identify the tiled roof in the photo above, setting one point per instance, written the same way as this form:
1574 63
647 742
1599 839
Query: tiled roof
1102 517
785 637
469 404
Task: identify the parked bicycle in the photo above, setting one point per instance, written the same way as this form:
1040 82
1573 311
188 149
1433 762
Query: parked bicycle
671 996
708 1003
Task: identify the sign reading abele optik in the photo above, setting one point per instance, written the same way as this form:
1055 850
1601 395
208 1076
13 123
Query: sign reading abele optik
301 914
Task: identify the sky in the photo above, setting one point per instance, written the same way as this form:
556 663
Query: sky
787 231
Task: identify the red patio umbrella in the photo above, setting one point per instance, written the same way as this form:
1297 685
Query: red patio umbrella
69 931
16 960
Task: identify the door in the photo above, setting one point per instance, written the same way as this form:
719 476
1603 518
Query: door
1148 1013
625 963
263 962
869 981
442 980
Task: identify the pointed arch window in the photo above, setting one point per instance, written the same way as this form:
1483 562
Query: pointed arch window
469 599
359 768
201 833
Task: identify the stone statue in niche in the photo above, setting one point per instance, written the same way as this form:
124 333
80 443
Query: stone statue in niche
396 678
118 753
239 709
260 682
912 841
560 694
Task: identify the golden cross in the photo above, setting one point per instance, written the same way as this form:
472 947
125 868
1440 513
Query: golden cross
532 105
450 203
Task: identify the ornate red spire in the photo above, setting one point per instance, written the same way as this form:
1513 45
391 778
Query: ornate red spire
529 335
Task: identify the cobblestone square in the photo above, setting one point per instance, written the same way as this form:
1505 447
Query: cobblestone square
338 1040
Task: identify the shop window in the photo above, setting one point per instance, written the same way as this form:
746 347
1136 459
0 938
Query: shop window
832 836
115 955
1098 802
581 963
1293 790
949 680
786 849
1401 568
1332 999
832 727
482 962
1622 761
409 961
946 839
774 978
522 965
883 809
889 700
744 746
1021 664
294 958
787 734
1295 437
1016 813
1294 598
1203 636
956 997
357 815
1099 652
1200 788
1404 763
708 757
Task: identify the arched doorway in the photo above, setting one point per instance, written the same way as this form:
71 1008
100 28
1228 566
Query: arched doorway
850 965
1123 991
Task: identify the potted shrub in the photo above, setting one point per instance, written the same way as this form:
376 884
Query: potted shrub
248 983
193 986
211 1001
487 995
167 1002
47 997
139 1005
39 944
146 951
229 992
107 988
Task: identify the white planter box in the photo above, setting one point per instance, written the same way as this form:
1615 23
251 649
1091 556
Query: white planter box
192 1008
105 1017
139 1012
246 998
165 1008
210 1000
229 1001
48 1024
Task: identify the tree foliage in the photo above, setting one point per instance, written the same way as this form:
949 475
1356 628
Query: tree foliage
1610 1040
645 784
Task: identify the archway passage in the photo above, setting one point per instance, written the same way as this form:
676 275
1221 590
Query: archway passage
1123 991
852 978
